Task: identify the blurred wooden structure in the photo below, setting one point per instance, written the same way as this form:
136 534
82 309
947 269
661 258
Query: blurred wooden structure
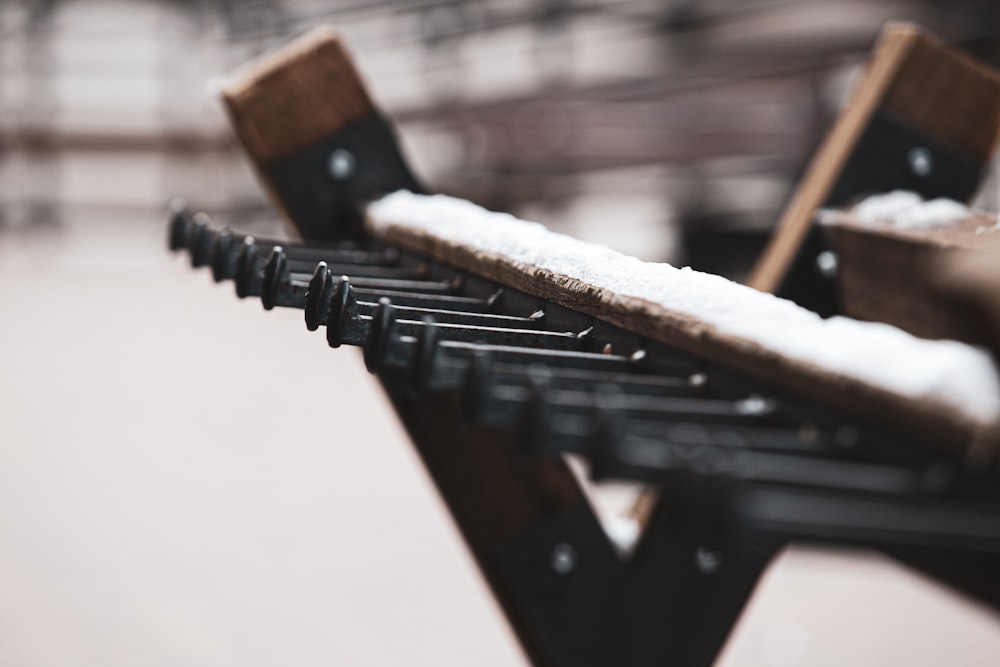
706 110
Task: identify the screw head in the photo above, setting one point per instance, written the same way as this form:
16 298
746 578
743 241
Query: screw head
921 161
563 558
754 406
707 561
342 164
826 264
697 380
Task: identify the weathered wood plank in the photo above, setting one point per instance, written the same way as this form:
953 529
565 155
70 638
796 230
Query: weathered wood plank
891 275
291 98
925 421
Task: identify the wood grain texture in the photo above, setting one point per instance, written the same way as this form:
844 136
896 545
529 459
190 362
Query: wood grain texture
971 282
889 275
494 490
925 421
948 95
936 89
293 97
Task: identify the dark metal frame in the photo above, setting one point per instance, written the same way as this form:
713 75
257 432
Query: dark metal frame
742 467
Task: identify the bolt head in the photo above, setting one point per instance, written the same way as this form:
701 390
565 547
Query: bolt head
342 165
826 264
921 161
707 561
754 406
563 558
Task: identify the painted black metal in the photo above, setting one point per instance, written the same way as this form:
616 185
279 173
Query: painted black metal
448 308
559 406
498 394
572 610
347 325
200 240
663 606
223 255
327 208
178 221
267 274
882 162
221 248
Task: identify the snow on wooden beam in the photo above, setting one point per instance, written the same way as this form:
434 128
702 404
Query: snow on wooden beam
941 390
889 250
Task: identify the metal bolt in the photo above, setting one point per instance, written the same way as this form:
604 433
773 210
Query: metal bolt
826 264
342 164
563 558
754 406
921 161
707 561
697 380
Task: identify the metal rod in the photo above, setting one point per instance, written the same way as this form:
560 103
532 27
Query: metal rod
322 288
347 326
436 364
220 248
282 287
345 312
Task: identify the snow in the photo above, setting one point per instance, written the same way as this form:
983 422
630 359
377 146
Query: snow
949 373
907 210
623 532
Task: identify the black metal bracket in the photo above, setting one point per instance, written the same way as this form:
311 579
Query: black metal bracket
566 581
324 187
673 602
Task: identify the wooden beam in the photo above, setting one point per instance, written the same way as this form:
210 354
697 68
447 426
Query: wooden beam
925 421
289 99
892 275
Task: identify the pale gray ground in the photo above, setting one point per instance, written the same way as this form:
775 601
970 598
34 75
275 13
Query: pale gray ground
187 480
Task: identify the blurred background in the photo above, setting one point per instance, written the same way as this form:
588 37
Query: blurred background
186 481
685 121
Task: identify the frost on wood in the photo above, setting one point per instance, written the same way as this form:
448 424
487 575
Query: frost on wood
907 210
949 374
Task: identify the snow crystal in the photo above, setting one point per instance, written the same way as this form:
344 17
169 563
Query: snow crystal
907 210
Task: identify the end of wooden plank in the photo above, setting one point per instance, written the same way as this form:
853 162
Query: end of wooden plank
288 100
892 275
318 144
